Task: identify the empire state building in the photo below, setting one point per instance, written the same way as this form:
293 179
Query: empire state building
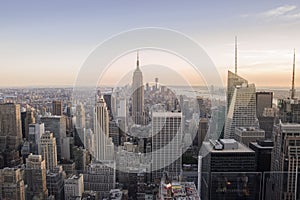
138 95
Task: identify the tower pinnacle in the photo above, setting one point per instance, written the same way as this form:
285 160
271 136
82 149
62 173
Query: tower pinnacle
235 63
137 60
293 91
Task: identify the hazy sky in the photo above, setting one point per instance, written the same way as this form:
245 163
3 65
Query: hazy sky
45 42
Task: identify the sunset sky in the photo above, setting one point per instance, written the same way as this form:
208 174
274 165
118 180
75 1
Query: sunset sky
44 43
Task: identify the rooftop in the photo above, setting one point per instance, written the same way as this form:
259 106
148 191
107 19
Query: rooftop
207 146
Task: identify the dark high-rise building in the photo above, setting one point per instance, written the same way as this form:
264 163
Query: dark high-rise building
263 154
227 171
10 128
263 151
138 113
201 132
11 184
202 107
57 108
107 99
81 158
266 122
263 100
55 183
27 117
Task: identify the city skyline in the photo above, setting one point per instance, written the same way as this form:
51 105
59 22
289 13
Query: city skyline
44 44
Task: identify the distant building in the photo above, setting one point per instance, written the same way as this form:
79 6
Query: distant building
36 177
74 187
228 171
11 184
80 116
289 110
57 108
201 132
138 113
248 134
263 100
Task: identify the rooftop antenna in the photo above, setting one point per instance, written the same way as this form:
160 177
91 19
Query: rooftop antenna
235 63
293 79
137 59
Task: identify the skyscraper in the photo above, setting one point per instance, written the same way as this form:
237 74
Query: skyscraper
242 109
34 137
221 166
285 159
233 81
36 177
103 144
48 150
138 95
10 126
166 144
11 184
27 117
57 126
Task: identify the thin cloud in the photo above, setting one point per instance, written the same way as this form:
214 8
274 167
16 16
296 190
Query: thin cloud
285 12
280 11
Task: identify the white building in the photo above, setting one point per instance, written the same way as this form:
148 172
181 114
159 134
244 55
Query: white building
100 177
74 187
166 143
48 150
103 144
242 109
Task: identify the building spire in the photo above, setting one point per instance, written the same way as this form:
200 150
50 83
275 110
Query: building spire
293 78
137 60
235 63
